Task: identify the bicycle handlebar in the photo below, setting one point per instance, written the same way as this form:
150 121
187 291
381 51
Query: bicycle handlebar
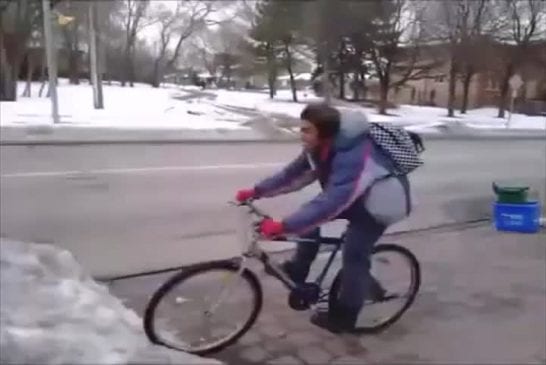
253 208
258 212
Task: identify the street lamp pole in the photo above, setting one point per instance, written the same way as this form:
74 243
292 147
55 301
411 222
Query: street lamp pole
51 60
324 44
95 78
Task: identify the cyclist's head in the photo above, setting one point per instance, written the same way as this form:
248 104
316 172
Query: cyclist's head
319 122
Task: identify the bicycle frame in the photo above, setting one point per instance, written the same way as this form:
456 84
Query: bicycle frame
254 251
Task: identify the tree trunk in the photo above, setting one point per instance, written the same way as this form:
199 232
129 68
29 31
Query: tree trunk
131 67
466 88
43 75
503 101
341 77
363 82
8 76
73 57
271 73
127 57
73 67
156 81
10 91
384 96
271 83
30 70
71 43
356 85
451 89
290 72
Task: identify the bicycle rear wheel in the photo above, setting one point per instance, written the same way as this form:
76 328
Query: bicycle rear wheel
397 271
205 308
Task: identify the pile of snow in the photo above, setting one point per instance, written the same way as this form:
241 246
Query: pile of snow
124 107
52 312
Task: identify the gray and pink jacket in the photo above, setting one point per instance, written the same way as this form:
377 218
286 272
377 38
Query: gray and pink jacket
352 170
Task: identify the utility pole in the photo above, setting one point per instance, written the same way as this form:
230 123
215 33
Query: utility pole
323 31
96 81
51 51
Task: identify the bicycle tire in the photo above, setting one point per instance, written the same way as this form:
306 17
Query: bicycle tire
416 283
180 277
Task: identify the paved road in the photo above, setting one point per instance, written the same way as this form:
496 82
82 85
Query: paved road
128 208
481 301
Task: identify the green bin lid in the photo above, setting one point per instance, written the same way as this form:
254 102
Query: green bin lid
509 189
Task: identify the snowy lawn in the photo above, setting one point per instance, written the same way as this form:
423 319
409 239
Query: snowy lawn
188 107
125 107
416 117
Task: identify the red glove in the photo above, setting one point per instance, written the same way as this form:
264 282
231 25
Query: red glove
270 228
244 195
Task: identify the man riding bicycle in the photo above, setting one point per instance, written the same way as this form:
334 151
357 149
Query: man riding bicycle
358 185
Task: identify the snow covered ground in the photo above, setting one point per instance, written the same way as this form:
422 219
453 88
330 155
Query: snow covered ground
418 117
52 312
125 107
143 107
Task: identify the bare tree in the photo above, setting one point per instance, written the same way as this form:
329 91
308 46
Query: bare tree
68 14
35 57
394 47
464 26
194 17
453 20
72 34
134 22
527 22
202 47
111 38
166 20
17 21
477 26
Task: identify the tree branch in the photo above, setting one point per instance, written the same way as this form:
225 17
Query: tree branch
198 15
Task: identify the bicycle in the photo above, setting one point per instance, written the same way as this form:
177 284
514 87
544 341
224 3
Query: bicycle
222 290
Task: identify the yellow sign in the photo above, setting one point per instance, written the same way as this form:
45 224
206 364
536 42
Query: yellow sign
64 20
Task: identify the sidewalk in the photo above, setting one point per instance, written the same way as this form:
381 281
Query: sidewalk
482 301
270 128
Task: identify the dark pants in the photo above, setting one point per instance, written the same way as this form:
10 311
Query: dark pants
356 282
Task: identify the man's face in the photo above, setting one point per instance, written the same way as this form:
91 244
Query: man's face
309 135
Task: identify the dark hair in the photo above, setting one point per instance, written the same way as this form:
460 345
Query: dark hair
324 117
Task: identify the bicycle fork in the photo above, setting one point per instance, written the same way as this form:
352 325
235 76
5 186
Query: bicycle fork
227 286
273 269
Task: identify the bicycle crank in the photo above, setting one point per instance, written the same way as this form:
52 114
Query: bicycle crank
304 296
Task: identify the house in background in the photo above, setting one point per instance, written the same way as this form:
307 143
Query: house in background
485 88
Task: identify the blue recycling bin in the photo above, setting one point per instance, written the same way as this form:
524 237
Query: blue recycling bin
520 217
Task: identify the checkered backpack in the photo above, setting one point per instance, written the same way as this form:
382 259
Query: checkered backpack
402 146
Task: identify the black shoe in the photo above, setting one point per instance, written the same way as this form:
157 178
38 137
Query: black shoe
340 321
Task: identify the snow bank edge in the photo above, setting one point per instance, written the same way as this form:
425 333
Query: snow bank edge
76 135
71 319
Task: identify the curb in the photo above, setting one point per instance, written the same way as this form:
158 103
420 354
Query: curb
69 135
48 135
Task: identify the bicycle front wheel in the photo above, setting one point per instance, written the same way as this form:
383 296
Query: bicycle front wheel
205 308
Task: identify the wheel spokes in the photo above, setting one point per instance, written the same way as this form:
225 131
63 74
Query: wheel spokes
204 313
